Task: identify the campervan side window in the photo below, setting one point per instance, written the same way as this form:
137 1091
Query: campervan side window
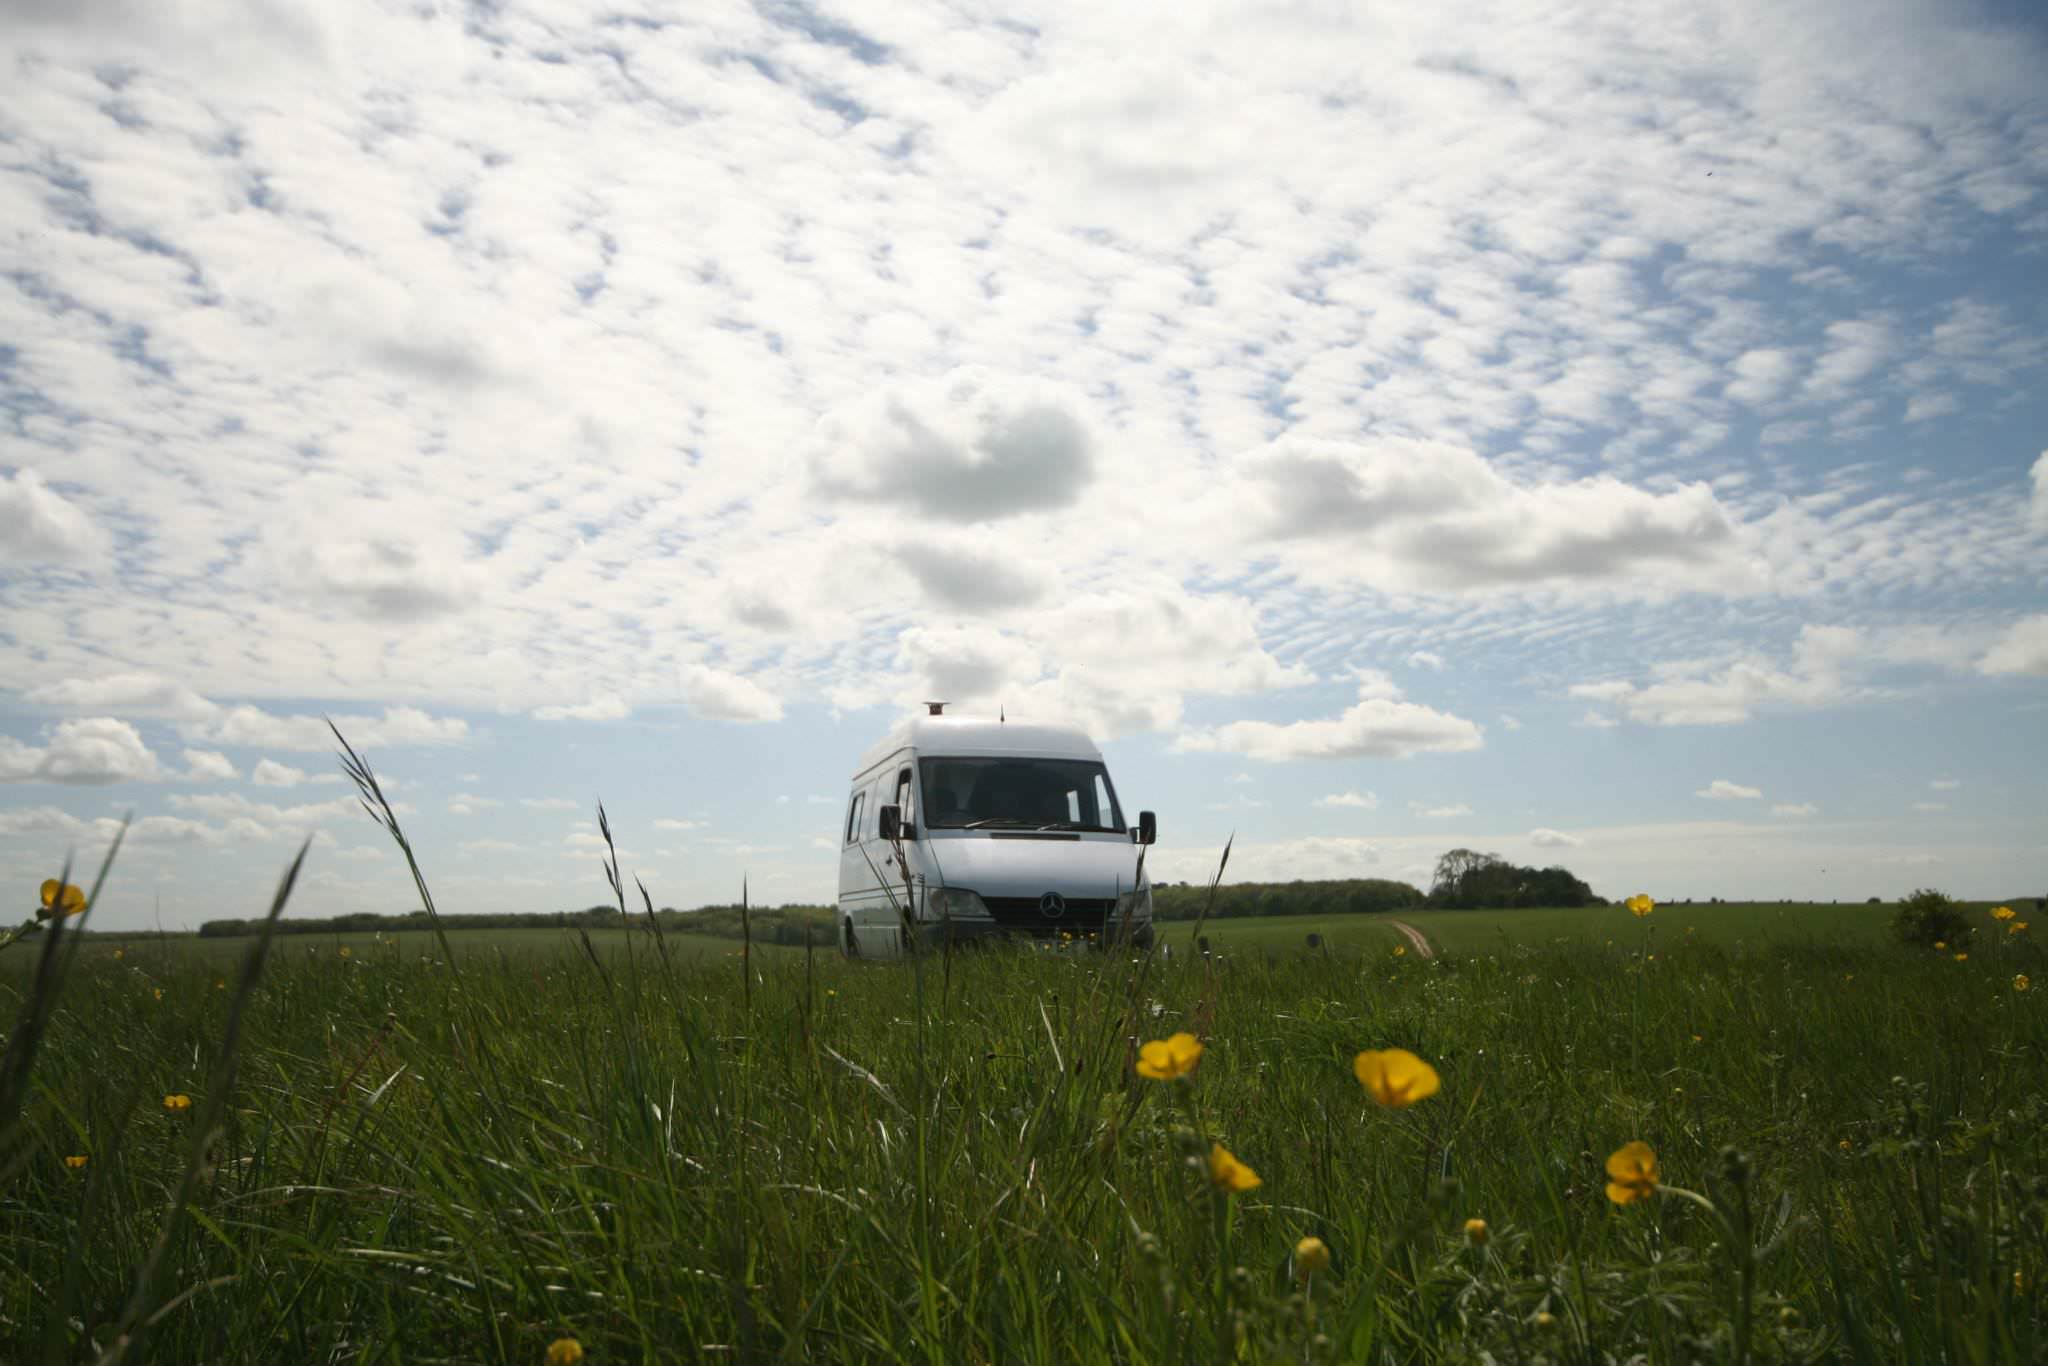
906 797
853 816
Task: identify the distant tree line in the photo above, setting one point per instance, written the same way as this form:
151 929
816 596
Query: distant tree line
1349 896
1469 880
770 924
366 922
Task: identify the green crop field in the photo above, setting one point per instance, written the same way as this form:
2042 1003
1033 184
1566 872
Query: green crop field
392 1155
1730 925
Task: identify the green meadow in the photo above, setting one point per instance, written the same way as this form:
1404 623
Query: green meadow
684 1148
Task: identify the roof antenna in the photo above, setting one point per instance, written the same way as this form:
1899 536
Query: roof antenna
935 708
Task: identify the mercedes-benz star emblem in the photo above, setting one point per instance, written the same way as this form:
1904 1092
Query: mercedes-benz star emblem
1052 905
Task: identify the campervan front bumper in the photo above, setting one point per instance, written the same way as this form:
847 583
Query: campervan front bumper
955 914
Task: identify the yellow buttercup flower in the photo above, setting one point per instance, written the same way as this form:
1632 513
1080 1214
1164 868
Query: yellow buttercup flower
2016 927
564 1352
119 954
1962 958
59 900
157 992
177 1103
1640 905
1631 1173
1395 1077
1843 1144
1229 1173
2003 913
75 1163
345 953
1400 949
1311 1255
2021 982
1545 1319
1476 1232
1165 1059
220 984
1941 946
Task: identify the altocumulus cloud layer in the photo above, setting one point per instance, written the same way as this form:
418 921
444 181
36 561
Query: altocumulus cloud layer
1178 373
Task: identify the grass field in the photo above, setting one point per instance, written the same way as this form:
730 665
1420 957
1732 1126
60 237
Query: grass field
1580 929
953 1160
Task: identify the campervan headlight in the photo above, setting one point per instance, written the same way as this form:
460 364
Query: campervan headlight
1135 904
955 902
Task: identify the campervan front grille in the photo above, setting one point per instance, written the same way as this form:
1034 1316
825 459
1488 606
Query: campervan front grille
1081 915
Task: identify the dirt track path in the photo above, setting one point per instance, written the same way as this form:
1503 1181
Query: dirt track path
1422 945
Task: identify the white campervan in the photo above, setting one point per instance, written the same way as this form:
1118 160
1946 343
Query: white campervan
1004 828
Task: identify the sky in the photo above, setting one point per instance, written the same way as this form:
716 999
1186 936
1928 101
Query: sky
1604 435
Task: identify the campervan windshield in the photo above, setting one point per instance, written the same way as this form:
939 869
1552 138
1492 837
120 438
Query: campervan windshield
973 793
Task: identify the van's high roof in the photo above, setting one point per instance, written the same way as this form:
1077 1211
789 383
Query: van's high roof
978 735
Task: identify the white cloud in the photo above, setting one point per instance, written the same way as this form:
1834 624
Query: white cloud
1375 727
1365 801
610 707
205 765
149 831
468 804
271 773
967 579
396 728
47 820
138 694
1795 809
1409 516
1930 806
550 804
1553 839
1508 722
231 806
1855 348
1945 784
2023 649
1425 659
970 447
677 823
2037 514
92 751
491 846
39 527
1762 375
1721 790
717 695
1828 665
1441 813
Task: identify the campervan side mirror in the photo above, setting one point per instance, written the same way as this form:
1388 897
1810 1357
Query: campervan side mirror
1146 831
890 822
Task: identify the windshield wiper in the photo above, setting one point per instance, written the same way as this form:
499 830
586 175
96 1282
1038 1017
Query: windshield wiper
1073 825
994 820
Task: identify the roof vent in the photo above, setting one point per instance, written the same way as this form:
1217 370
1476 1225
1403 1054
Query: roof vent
935 708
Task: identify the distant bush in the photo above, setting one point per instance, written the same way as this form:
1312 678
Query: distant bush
1469 880
1927 918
